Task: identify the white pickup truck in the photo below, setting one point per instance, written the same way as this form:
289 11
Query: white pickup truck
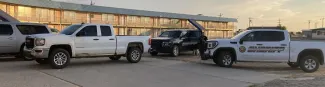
84 40
266 45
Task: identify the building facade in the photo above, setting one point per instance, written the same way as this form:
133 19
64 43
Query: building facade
126 21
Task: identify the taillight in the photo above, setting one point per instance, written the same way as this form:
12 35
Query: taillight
149 42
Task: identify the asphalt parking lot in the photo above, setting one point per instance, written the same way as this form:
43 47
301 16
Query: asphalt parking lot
158 71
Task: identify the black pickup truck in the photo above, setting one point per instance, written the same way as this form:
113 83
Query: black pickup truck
175 41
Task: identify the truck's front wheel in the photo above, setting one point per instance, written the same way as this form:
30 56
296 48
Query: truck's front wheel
224 59
134 55
59 58
175 51
309 63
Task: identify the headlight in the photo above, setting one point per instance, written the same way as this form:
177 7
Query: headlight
40 42
212 44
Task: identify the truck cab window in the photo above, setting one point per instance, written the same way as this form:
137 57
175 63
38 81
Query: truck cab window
88 31
172 34
194 34
32 29
5 30
264 36
106 31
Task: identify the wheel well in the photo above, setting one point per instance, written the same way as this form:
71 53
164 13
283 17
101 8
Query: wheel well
135 44
315 52
62 46
230 49
22 47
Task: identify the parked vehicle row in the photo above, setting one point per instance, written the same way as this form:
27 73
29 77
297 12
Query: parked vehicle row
266 45
13 34
84 40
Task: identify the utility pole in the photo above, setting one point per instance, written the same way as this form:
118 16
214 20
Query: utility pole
279 22
90 14
309 24
250 21
322 22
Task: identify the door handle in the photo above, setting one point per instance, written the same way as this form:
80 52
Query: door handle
95 39
112 39
10 38
259 44
283 44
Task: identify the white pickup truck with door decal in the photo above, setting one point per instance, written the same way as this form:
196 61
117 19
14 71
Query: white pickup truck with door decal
267 45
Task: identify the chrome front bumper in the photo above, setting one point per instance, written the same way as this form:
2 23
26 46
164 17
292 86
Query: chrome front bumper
37 52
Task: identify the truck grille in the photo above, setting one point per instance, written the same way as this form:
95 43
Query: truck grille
29 42
157 44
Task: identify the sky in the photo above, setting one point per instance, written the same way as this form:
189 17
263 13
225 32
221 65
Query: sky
294 14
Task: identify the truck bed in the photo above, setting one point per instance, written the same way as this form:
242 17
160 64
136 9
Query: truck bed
122 42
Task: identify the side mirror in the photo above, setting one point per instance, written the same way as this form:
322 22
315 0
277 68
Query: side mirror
241 41
81 33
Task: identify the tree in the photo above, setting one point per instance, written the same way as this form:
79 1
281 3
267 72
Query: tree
282 27
292 33
298 33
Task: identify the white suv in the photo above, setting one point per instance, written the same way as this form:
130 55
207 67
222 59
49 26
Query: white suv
13 34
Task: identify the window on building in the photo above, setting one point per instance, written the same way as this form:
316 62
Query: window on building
3 7
5 30
106 31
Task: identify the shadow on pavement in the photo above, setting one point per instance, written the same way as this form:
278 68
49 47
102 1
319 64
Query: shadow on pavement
10 59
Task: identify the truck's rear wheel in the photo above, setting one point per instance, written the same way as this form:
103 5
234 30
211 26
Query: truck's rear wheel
175 51
59 58
293 65
134 55
115 57
309 63
224 59
42 61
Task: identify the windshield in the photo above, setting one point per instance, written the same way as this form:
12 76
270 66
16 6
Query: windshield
70 29
238 35
170 34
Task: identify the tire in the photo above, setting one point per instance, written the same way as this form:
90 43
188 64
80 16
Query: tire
175 51
224 59
42 61
59 58
153 53
309 63
134 55
293 65
115 57
21 54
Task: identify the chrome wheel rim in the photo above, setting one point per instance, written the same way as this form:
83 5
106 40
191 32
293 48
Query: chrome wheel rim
310 64
227 59
175 50
60 58
135 55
